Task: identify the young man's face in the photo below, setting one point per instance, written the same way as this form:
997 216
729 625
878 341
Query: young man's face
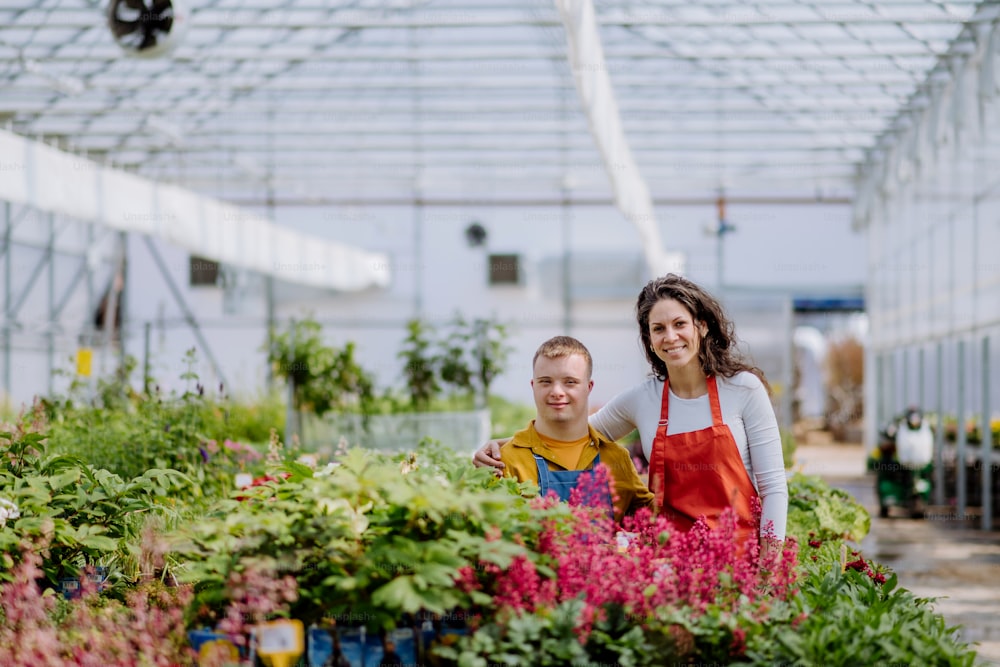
562 388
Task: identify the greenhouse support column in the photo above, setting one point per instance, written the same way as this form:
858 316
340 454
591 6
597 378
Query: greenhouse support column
8 255
122 309
921 380
879 390
788 364
182 304
89 338
418 253
290 413
146 326
567 286
960 482
50 341
269 279
987 441
269 306
890 391
905 393
939 431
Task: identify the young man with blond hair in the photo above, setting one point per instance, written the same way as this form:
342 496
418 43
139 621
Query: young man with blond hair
559 447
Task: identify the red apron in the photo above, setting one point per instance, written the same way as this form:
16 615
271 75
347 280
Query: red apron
700 473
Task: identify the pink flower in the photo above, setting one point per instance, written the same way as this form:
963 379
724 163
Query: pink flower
663 569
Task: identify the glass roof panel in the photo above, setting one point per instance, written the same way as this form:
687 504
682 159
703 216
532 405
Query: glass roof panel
340 97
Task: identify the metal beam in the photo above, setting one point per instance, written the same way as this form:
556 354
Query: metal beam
73 285
35 273
7 319
746 150
139 108
300 18
182 304
505 85
986 448
961 492
554 201
255 132
939 495
50 302
835 51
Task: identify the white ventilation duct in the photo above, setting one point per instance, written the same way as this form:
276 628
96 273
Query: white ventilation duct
593 85
53 181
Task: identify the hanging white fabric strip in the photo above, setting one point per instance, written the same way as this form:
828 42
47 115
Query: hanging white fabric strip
593 85
58 182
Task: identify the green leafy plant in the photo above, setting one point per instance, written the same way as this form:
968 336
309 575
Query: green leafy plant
788 445
128 433
420 365
373 537
473 355
87 515
323 377
845 616
818 511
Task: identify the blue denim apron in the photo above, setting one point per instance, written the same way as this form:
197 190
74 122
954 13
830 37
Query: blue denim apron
562 482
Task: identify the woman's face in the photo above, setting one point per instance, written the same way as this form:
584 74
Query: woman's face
674 334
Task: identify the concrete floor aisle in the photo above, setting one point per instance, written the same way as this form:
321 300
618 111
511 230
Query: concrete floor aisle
937 557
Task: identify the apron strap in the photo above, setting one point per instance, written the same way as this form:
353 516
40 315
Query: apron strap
713 399
664 407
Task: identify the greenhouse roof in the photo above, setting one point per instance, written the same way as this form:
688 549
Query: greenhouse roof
380 102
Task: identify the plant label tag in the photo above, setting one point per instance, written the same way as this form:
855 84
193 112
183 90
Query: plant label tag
84 361
281 643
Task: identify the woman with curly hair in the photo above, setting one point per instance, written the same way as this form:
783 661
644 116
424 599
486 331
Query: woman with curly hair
704 416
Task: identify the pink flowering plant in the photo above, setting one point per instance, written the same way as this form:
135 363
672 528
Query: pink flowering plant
691 594
40 629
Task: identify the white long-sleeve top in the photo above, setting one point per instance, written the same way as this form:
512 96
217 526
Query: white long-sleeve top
746 409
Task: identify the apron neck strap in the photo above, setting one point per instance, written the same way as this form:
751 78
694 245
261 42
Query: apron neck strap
713 400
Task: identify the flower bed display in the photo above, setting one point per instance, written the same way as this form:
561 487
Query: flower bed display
423 556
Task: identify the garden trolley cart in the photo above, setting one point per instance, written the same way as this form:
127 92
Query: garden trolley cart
903 464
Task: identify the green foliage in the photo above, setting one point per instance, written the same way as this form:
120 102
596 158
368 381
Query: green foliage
374 536
846 618
88 515
377 536
788 445
419 364
818 511
136 433
323 377
246 420
551 639
455 365
465 358
489 352
472 355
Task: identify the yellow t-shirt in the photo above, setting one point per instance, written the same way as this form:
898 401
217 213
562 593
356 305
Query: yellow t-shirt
566 454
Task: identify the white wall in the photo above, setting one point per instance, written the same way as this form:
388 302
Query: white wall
774 246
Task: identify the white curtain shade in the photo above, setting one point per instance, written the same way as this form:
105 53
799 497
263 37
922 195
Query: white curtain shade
54 181
593 85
